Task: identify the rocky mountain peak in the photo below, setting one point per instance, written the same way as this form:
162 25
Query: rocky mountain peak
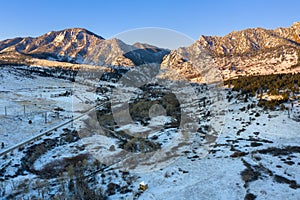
73 32
296 26
252 51
241 42
78 45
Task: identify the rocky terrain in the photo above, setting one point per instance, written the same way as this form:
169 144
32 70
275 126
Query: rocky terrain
77 46
254 51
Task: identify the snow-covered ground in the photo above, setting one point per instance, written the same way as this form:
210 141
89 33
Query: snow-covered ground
218 175
30 104
256 154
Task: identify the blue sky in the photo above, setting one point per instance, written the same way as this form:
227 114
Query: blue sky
108 18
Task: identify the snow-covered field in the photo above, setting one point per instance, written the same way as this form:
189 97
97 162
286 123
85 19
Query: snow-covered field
31 104
218 175
256 154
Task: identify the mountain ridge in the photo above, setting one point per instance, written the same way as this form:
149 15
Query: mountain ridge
253 51
256 38
78 45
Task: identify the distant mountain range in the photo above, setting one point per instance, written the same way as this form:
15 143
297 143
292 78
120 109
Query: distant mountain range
77 46
254 51
248 52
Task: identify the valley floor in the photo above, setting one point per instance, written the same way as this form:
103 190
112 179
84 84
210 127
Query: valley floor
255 156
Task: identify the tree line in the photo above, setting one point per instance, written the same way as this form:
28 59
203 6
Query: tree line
285 85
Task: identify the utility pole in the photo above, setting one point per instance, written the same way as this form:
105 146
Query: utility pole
72 122
24 109
46 117
5 111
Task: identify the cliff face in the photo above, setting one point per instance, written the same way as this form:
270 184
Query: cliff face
253 51
79 45
251 40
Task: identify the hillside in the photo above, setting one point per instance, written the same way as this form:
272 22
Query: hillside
78 46
254 51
